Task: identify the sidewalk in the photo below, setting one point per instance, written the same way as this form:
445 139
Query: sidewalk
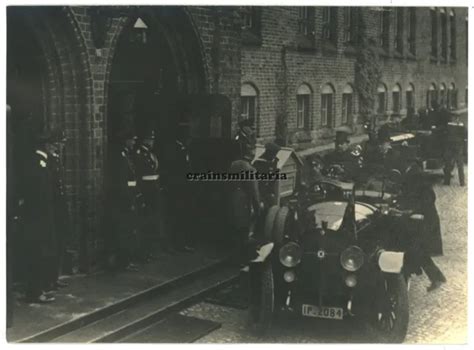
88 294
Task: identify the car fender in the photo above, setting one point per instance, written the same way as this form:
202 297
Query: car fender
390 262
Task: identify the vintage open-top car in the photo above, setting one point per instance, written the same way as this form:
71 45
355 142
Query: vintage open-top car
336 258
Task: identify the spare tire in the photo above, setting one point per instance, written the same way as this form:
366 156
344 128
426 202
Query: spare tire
280 225
270 222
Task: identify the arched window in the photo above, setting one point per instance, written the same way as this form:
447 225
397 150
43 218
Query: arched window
303 107
452 97
396 99
442 94
381 98
248 103
410 97
327 106
431 96
347 104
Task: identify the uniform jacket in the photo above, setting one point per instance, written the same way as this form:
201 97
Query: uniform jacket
40 220
268 188
60 202
146 167
456 134
177 167
244 196
123 189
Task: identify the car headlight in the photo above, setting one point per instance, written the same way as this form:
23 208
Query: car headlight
352 258
290 254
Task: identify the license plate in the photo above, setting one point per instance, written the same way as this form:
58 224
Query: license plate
334 313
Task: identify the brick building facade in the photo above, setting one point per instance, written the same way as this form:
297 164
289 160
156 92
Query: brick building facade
276 63
290 52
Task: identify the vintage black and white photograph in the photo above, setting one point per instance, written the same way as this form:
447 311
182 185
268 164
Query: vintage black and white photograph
236 174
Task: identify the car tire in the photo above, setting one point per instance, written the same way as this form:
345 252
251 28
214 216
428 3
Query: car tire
280 225
262 297
387 329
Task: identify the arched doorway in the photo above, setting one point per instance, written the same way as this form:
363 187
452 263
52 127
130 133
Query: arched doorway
155 68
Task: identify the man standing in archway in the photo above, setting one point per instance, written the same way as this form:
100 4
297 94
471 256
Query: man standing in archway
148 185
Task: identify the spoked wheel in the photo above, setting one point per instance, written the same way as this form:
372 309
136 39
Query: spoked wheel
262 297
390 323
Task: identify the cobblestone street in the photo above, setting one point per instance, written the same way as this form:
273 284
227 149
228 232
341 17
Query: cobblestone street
437 317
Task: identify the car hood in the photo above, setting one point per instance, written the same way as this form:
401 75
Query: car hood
333 213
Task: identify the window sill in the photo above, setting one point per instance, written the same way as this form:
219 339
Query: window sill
350 49
398 54
305 42
411 56
383 51
328 46
250 38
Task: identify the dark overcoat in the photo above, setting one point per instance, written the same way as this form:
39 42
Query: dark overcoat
244 196
418 195
40 220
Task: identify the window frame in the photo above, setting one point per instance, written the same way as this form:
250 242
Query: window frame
410 91
328 119
329 23
396 102
384 28
246 99
434 33
306 20
399 21
411 30
452 33
303 107
444 34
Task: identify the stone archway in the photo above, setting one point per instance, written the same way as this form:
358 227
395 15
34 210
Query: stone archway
53 91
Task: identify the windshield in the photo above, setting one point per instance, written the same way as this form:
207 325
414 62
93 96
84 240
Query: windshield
333 212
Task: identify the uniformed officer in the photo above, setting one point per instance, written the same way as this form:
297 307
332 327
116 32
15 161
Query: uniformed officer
60 207
245 204
456 135
122 206
179 194
349 159
246 137
267 163
40 220
148 185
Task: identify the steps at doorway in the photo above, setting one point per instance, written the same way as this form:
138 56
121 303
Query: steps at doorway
151 310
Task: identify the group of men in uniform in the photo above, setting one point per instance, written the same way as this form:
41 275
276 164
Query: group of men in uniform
146 196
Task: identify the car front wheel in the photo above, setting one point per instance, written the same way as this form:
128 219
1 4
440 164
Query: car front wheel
390 322
262 297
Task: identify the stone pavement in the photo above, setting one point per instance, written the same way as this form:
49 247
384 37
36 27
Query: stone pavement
439 317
